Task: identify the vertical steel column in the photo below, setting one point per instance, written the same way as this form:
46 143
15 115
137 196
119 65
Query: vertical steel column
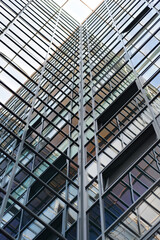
20 149
64 219
100 182
82 200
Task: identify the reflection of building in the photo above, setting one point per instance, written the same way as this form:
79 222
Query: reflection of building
80 151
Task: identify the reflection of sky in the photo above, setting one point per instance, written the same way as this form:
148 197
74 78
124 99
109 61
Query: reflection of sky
79 9
76 8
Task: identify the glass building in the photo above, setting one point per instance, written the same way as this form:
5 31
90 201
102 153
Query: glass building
80 132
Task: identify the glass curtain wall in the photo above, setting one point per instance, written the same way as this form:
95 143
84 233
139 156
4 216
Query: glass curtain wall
80 134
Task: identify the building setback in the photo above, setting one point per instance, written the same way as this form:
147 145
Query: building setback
80 138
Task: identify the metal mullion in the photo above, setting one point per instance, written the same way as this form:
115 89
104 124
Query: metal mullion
19 82
37 72
151 78
151 62
121 131
152 232
103 35
103 19
39 155
37 22
132 167
132 122
143 27
120 110
112 90
131 207
98 26
152 206
153 159
58 70
126 172
138 82
129 114
153 99
10 20
114 115
156 159
10 8
18 3
9 13
16 18
111 213
58 114
62 93
95 225
26 43
119 6
145 56
58 48
117 198
62 22
95 143
36 14
23 73
67 137
152 5
64 219
37 31
127 226
110 52
17 54
112 134
145 173
5 233
128 13
41 101
34 196
130 186
63 39
41 181
39 113
82 196
130 129
95 15
34 215
52 146
117 72
48 142
38 6
64 27
156 195
33 219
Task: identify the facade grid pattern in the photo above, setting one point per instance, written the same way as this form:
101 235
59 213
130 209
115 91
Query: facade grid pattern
80 138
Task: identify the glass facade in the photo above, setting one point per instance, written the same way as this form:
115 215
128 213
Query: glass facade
80 133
